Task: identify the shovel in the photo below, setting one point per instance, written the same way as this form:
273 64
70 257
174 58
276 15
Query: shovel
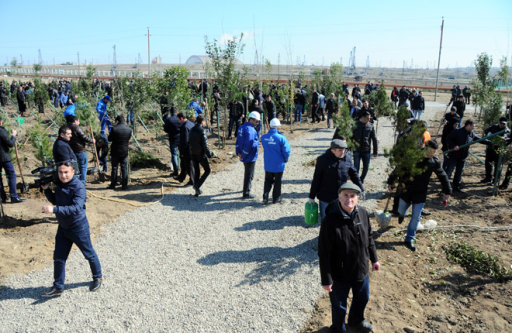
24 189
383 217
96 169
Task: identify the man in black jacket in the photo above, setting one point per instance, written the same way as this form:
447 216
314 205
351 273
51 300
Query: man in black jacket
418 105
491 153
185 161
332 169
6 144
199 154
22 98
315 106
456 159
414 192
270 107
363 137
345 245
77 142
236 113
3 94
451 122
332 108
61 149
172 128
120 137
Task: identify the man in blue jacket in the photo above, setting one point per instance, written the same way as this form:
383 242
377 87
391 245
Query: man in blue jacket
247 150
68 205
276 151
101 108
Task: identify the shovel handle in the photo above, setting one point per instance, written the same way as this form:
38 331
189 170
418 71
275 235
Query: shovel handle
18 162
387 203
97 160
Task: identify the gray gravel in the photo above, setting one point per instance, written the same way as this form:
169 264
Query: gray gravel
210 264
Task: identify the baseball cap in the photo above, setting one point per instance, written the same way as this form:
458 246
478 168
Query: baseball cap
337 143
349 186
275 123
254 115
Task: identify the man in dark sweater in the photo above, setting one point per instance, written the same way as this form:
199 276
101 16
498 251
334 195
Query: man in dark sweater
345 245
61 149
414 191
120 137
332 169
78 142
68 205
199 154
451 122
185 161
172 128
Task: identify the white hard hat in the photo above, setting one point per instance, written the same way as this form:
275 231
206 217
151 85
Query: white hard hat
255 115
275 123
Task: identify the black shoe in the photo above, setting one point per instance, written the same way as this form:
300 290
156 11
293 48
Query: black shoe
410 245
425 213
363 326
248 196
124 188
17 200
111 187
277 200
180 180
486 180
198 192
457 190
96 284
401 219
502 187
265 198
54 292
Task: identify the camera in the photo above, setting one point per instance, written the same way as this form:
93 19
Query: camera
47 173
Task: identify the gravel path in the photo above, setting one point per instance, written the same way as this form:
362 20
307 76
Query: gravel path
210 264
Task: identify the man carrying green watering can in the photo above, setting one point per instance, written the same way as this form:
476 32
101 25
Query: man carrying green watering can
332 169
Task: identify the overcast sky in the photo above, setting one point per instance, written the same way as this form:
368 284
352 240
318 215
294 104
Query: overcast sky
385 33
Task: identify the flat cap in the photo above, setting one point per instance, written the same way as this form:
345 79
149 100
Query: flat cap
337 143
350 186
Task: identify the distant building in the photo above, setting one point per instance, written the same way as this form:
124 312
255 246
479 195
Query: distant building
202 60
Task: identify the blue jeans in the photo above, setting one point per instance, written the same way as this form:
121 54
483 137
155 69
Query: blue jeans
457 164
322 206
174 156
10 174
82 161
365 156
63 242
403 208
338 297
298 112
130 117
417 114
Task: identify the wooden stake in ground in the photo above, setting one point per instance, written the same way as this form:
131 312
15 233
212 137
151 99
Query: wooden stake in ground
24 189
96 159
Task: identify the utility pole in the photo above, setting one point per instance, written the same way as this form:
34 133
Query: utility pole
439 59
40 57
149 54
278 65
78 58
114 60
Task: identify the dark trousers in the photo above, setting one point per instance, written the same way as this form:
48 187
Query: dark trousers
116 161
185 167
508 175
195 171
63 242
272 178
233 121
365 156
339 295
491 157
456 164
11 180
248 176
315 113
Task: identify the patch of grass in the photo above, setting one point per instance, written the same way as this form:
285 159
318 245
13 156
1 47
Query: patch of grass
139 160
476 261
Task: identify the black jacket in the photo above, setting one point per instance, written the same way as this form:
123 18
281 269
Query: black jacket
198 142
495 129
62 151
460 137
270 106
78 139
415 190
120 137
6 144
330 174
448 128
364 136
236 110
345 245
461 107
332 106
184 137
418 103
172 128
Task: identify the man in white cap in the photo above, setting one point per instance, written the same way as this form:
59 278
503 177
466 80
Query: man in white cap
247 150
276 151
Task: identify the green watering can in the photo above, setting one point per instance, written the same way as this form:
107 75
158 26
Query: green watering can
311 213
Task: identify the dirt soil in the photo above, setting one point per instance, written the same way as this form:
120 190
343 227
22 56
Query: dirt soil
421 291
424 292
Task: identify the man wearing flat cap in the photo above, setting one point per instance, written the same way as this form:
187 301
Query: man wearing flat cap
332 169
345 246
